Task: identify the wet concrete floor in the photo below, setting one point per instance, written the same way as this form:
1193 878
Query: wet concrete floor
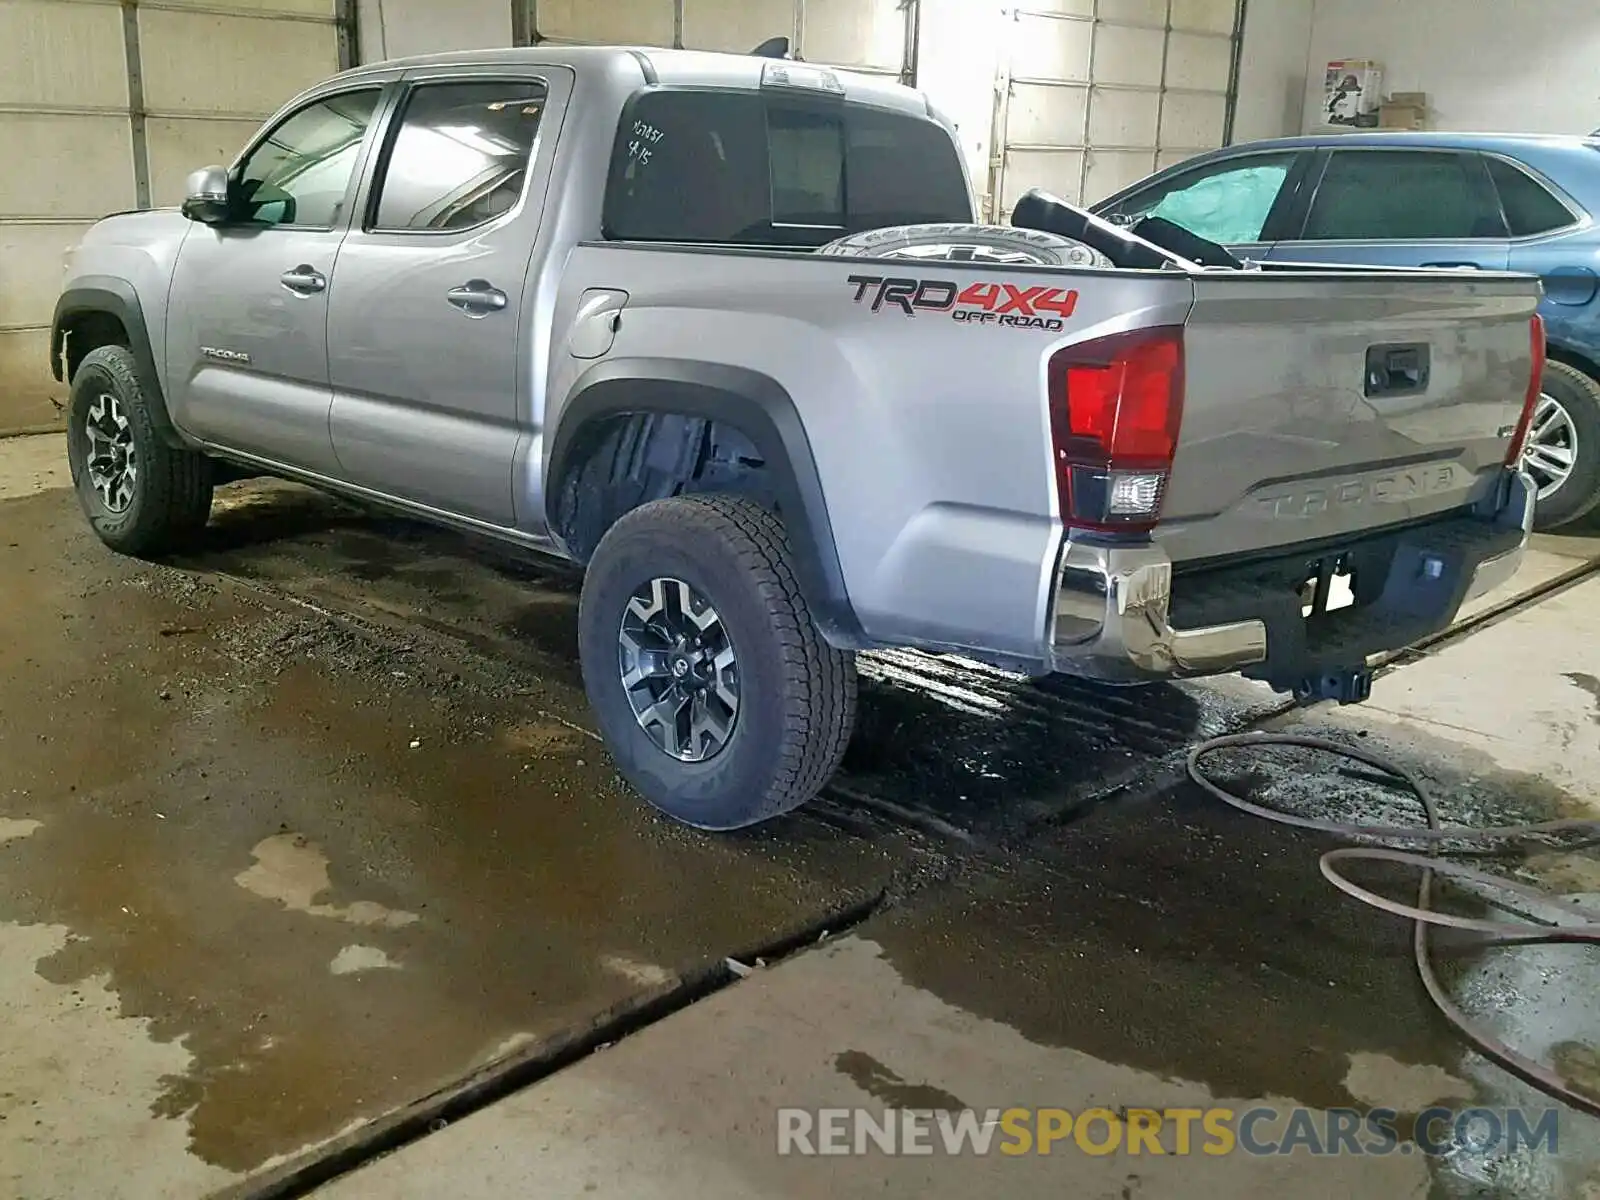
1160 953
316 874
310 823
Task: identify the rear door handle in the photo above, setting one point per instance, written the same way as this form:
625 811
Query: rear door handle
1467 266
477 298
304 280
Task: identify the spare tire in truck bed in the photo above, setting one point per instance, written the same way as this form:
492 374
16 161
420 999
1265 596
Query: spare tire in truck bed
999 244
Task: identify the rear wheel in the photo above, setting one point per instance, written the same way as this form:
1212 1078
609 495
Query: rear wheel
1562 451
715 693
141 496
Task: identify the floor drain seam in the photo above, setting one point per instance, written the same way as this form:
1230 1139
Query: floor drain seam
494 1082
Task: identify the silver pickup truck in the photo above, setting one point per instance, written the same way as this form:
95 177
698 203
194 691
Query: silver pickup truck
571 298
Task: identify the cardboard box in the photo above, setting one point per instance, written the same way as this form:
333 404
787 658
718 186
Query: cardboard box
1404 110
1352 94
1402 116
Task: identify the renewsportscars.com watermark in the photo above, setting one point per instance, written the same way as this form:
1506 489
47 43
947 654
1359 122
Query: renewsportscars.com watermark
1260 1131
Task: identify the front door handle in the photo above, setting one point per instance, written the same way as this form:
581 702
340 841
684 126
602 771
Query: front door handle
477 298
304 280
1459 266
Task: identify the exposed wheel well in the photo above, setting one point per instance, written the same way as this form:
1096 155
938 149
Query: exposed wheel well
89 331
621 461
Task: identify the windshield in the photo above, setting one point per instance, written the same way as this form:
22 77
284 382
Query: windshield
749 168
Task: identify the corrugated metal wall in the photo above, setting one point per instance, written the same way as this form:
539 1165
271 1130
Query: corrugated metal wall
1096 94
869 35
108 105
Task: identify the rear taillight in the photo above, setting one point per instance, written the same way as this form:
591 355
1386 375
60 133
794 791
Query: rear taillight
1530 401
1115 407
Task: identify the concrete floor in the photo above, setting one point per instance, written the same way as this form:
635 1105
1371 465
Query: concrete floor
32 464
265 878
310 825
1160 952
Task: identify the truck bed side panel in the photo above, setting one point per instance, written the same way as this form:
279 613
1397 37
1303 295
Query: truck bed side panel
930 433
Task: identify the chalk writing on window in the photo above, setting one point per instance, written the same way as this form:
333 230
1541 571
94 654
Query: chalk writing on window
645 136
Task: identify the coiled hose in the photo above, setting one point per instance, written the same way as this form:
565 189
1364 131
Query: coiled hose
1422 913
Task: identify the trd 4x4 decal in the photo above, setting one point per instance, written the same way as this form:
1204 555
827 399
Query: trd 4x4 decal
1006 304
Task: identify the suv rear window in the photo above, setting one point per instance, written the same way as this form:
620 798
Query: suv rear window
1403 195
1530 208
748 168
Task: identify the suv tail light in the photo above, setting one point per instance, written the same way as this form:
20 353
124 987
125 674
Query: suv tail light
1115 407
1530 402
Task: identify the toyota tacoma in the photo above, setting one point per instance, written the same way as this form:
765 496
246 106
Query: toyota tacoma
723 330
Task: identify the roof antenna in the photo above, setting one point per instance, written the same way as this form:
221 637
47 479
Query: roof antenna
777 47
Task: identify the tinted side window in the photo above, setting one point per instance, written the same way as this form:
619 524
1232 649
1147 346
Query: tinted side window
300 173
741 167
1402 195
1530 208
1225 202
460 156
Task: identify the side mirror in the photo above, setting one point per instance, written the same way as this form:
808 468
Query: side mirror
206 196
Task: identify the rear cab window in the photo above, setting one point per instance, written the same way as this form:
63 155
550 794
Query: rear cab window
750 168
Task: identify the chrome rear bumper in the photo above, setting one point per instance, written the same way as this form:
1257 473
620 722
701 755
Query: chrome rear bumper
1112 622
1112 619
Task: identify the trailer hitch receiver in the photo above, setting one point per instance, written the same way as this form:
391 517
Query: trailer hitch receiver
1342 687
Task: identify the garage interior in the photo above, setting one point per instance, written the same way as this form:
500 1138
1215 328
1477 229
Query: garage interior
315 879
1078 96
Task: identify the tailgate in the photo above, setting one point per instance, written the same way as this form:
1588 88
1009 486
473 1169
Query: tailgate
1322 404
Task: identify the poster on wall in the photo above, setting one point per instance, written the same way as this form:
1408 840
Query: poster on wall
1352 94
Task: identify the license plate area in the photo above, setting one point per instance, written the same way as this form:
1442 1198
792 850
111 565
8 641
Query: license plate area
1329 586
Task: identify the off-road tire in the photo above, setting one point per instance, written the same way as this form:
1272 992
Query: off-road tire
1580 494
797 694
172 490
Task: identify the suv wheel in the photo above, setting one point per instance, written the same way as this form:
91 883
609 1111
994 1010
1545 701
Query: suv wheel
141 496
1562 452
715 693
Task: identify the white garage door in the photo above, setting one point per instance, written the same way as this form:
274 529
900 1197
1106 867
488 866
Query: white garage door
1095 94
107 106
869 35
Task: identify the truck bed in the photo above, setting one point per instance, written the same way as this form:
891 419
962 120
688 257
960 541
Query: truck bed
921 389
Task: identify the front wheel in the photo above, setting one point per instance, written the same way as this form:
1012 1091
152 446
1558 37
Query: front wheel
1562 451
717 696
142 496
